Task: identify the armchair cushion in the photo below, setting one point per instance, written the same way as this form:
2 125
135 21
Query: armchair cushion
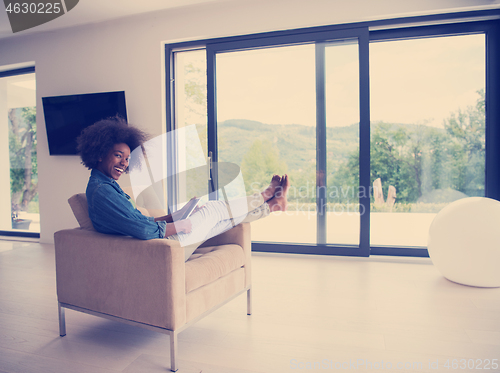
210 263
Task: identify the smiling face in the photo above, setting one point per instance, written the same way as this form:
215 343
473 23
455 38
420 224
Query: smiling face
116 162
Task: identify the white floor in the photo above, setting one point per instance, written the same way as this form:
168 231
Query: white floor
309 313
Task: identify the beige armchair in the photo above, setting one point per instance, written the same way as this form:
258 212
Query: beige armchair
147 283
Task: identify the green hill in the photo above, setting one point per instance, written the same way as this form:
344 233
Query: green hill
296 143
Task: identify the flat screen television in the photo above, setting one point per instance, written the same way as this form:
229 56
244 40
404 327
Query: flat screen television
67 116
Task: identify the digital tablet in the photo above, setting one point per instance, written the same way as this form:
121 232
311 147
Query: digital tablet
190 206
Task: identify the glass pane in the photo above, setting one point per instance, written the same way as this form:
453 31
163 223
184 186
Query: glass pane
342 122
266 122
191 110
427 132
19 201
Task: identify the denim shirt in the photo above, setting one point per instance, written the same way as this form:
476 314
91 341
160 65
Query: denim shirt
112 212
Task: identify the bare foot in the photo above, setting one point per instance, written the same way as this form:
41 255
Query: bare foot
271 189
279 201
278 204
282 190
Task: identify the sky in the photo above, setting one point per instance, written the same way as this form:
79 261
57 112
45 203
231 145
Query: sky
420 81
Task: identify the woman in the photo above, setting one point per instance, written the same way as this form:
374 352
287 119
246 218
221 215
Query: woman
105 149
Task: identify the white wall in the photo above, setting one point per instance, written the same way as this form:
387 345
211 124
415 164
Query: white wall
127 54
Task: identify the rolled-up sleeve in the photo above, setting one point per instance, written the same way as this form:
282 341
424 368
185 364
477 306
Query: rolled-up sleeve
112 213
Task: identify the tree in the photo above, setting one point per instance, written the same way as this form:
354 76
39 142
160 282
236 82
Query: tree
195 96
397 158
466 130
417 159
195 91
343 182
23 157
260 163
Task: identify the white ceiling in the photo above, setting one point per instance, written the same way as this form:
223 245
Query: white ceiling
93 11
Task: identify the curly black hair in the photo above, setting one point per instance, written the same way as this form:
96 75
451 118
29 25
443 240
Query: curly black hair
97 140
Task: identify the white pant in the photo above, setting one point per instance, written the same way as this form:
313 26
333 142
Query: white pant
216 217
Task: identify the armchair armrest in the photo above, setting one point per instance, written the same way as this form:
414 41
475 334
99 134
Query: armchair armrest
137 280
239 235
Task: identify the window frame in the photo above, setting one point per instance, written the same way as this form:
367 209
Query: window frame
486 21
5 74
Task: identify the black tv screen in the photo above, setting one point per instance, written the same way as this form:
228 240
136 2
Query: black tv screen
67 116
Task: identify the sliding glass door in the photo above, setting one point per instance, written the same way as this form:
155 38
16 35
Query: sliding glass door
190 123
342 188
266 123
378 127
295 109
427 132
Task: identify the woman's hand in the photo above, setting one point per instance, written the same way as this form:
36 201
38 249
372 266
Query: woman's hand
177 215
181 226
198 208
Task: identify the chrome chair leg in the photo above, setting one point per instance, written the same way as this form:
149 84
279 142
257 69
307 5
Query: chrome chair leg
62 321
249 301
173 351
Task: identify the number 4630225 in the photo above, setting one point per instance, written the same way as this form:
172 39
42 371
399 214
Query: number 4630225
479 364
33 8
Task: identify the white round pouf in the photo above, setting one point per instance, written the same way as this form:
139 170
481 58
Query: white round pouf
464 242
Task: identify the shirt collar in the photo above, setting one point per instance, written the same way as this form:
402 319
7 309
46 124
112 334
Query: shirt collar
99 175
